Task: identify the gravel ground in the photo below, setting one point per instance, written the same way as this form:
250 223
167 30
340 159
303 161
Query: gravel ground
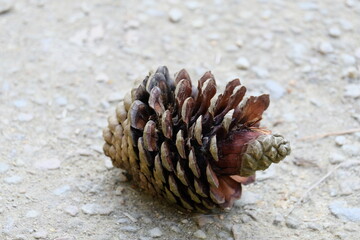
65 64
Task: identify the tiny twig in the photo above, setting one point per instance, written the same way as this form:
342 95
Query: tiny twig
318 136
314 186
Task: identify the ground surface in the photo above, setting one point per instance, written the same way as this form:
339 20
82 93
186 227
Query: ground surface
65 64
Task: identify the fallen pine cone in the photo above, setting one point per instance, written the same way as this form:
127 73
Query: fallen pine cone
188 145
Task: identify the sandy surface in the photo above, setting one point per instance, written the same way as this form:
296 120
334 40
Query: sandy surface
65 64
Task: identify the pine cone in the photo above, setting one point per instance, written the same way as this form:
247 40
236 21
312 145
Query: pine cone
188 146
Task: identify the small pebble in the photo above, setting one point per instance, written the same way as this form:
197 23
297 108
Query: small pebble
122 178
334 32
155 232
292 223
236 231
357 53
175 229
352 90
71 210
25 117
115 97
20 103
242 63
175 15
102 77
61 101
6 6
337 158
340 210
260 72
276 89
278 219
200 234
48 164
351 149
129 228
96 209
61 190
15 179
108 163
348 60
3 167
350 72
247 198
325 48
32 214
41 234
314 226
340 140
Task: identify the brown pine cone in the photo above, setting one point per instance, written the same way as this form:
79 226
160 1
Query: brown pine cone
188 145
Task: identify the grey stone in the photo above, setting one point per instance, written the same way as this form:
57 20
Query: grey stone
4 167
348 60
48 164
247 198
71 210
278 219
200 234
175 229
292 223
325 48
267 174
32 214
15 179
340 140
297 52
175 15
351 149
346 25
242 63
20 103
352 90
25 117
336 158
96 209
61 101
116 97
334 32
236 231
350 72
6 6
260 72
340 210
61 190
129 228
155 232
314 226
357 53
275 88
308 6
41 234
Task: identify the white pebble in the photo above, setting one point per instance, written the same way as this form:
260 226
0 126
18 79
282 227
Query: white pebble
48 164
155 232
3 167
25 117
242 63
340 140
348 60
200 234
41 234
13 179
32 214
325 48
94 209
61 190
20 103
175 15
334 32
71 210
61 101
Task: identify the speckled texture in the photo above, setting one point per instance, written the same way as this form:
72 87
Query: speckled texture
64 64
